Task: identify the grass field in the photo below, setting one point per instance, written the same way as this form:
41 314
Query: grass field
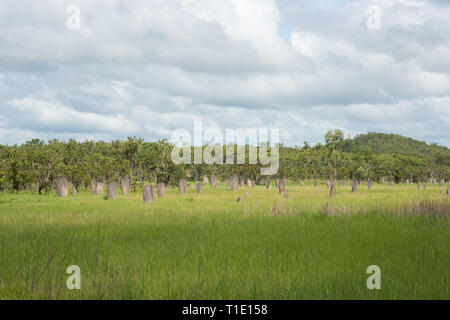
208 246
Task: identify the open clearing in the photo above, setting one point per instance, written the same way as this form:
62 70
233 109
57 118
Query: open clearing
209 246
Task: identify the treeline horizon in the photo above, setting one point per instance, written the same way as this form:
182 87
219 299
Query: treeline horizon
36 164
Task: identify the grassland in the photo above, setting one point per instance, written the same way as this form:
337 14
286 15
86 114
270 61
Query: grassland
208 246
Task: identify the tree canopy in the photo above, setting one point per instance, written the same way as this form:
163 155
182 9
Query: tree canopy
36 164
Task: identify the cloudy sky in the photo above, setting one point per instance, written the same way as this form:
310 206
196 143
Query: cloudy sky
145 68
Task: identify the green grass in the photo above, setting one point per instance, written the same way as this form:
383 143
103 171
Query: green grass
208 246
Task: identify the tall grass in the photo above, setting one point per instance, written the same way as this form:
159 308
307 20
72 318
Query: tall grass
208 246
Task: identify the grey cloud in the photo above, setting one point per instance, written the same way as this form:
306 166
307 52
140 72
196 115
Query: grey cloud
146 68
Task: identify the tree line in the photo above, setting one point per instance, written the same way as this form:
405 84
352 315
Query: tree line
36 165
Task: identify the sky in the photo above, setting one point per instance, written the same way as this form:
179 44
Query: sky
146 68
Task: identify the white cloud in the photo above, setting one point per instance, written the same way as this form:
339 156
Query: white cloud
58 117
148 67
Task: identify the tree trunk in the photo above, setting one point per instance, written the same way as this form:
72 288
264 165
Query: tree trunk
333 190
112 191
125 185
354 186
160 189
282 186
419 185
62 187
199 188
148 194
74 191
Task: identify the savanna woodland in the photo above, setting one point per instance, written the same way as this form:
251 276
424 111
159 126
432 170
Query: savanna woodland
312 231
36 165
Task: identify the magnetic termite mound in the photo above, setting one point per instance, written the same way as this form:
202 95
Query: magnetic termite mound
148 194
62 186
112 191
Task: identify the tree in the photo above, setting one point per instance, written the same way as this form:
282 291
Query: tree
334 140
130 152
4 160
19 173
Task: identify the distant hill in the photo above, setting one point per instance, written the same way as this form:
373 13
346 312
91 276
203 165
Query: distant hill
394 143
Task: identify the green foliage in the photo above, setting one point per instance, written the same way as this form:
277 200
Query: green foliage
395 144
36 164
